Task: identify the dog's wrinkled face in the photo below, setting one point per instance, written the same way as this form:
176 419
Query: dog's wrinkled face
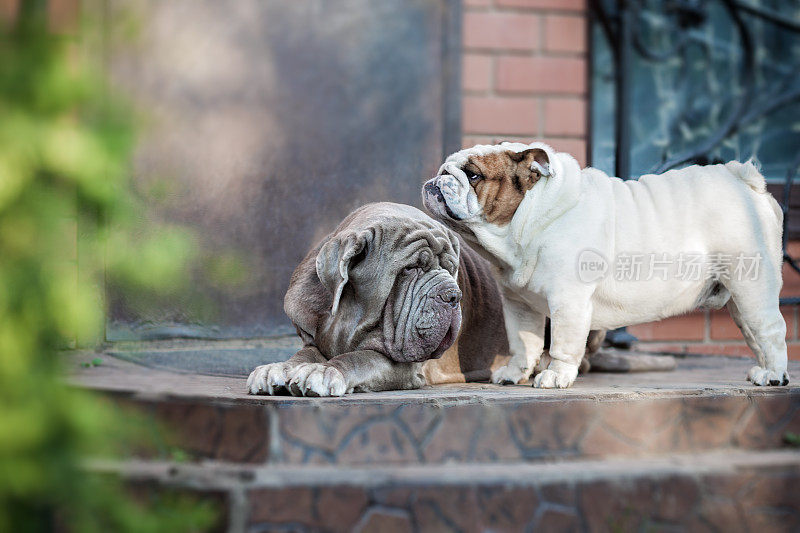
485 184
396 278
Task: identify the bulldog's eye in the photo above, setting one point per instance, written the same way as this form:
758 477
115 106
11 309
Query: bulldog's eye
472 177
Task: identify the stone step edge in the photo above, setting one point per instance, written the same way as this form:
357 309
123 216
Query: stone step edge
439 395
217 476
434 432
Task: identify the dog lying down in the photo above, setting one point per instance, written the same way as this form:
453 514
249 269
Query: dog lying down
391 299
595 252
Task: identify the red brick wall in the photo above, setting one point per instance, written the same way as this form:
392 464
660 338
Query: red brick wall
525 69
525 73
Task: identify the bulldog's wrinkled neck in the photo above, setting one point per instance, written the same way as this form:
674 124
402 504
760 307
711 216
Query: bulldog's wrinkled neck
546 201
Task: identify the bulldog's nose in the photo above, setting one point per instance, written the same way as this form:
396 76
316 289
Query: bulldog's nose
450 295
434 190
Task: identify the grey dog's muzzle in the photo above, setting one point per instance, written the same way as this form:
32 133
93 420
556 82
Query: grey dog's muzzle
428 322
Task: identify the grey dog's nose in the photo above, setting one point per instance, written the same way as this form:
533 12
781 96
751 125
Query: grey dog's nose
451 296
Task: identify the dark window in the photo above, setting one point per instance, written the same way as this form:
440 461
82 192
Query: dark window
719 77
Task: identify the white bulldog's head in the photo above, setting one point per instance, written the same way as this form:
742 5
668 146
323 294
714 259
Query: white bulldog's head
484 185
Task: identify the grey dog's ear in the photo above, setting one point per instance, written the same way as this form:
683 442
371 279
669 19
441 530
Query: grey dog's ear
335 259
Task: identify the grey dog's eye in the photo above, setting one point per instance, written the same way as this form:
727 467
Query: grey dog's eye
358 258
448 265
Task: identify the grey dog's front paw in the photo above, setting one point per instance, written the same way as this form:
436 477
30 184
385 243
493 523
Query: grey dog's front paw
268 379
317 379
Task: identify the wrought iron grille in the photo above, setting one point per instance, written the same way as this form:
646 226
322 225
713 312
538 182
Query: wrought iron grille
690 81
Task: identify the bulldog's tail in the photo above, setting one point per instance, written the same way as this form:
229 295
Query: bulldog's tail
748 172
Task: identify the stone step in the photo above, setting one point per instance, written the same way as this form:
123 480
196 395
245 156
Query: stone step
722 491
704 405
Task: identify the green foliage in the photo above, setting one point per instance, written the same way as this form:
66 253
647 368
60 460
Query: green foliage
64 149
792 439
97 361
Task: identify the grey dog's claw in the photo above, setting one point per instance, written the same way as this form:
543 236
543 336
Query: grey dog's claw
294 389
506 382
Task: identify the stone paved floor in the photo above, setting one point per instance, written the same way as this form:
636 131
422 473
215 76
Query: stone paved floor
693 376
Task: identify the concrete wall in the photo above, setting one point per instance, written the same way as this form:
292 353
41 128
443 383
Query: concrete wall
268 122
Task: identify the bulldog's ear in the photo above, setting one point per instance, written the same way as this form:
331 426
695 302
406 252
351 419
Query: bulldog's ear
336 258
534 159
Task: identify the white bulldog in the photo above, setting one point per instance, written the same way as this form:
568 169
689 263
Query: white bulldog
595 252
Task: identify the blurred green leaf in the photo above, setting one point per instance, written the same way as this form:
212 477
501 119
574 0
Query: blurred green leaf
65 143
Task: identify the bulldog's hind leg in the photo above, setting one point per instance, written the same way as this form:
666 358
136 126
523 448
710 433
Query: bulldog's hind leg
754 308
525 329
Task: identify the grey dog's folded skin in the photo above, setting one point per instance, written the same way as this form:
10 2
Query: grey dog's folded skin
390 300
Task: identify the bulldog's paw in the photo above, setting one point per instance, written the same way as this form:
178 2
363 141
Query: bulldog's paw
268 379
764 377
316 379
508 375
561 378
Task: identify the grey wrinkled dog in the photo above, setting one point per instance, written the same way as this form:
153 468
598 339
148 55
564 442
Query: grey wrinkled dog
390 300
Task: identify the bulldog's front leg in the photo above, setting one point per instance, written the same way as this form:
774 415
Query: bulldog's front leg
525 330
359 371
271 379
569 329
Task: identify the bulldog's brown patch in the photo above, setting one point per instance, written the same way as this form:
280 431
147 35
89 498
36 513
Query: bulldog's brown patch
502 180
